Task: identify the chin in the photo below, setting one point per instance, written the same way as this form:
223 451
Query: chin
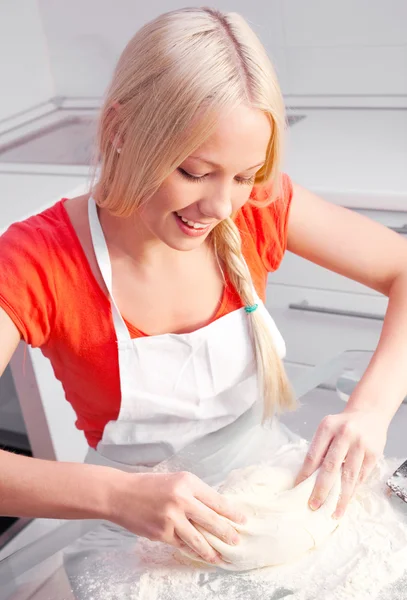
183 244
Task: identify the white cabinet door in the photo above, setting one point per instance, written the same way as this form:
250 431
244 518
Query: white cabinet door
296 271
319 324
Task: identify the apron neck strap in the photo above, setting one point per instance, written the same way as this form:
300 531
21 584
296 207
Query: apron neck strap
105 266
103 260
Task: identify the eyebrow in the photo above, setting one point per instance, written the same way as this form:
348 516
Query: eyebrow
214 164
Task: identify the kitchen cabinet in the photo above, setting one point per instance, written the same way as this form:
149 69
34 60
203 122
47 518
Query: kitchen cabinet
296 271
321 313
317 324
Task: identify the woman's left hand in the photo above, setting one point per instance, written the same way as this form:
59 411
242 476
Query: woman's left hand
353 440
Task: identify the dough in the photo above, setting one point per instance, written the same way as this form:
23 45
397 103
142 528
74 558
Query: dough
280 525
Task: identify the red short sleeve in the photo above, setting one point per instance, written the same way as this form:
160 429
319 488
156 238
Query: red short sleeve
27 293
267 225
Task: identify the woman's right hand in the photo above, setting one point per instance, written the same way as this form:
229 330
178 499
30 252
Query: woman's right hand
164 507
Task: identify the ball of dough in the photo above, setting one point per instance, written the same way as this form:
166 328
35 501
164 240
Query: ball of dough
280 525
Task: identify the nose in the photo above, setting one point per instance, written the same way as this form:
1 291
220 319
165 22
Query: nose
217 206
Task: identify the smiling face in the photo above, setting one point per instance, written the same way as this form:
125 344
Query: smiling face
198 195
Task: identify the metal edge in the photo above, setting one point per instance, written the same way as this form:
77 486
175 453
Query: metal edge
12 531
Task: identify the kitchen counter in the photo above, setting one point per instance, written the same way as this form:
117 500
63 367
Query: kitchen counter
36 572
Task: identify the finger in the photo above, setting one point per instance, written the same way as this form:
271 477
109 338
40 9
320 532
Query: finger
213 523
218 503
367 467
196 541
329 471
350 473
178 543
316 451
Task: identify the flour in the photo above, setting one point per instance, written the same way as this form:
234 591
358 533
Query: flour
365 555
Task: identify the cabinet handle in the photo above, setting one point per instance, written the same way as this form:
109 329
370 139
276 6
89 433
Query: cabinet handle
402 230
334 311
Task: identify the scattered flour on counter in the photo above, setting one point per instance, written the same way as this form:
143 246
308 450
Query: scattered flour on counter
365 555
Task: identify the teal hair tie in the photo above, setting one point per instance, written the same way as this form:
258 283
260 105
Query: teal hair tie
250 309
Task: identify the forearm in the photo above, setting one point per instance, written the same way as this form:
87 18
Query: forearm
384 384
32 487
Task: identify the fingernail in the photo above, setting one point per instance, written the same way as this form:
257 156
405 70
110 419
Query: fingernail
338 514
314 504
235 540
241 519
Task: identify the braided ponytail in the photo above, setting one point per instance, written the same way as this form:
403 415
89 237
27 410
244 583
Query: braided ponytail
277 393
183 64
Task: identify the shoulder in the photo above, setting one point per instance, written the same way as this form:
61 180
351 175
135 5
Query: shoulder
264 218
35 230
30 255
267 209
48 233
280 192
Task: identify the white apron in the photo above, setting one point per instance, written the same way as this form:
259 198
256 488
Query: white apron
184 397
189 401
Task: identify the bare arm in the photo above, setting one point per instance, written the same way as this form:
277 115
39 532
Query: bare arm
158 506
365 251
31 487
40 488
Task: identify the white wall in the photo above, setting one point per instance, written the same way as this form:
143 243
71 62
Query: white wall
86 37
25 76
319 47
343 47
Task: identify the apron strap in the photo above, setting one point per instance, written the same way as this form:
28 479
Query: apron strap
105 266
103 260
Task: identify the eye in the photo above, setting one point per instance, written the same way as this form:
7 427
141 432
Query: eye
190 177
249 181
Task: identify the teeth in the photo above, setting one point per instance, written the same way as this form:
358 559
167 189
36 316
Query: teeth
192 223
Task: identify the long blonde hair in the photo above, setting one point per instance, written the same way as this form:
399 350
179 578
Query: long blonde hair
174 79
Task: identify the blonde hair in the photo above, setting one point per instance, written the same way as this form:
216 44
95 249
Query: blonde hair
175 78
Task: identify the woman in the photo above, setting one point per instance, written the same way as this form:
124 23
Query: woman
146 294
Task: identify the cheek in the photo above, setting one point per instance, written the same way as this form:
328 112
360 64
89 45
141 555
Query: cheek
174 195
158 207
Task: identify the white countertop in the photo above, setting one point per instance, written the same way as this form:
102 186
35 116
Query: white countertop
352 157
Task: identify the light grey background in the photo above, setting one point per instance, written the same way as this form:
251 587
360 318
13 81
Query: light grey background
319 47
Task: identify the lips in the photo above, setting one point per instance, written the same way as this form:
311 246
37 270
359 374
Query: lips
189 230
192 224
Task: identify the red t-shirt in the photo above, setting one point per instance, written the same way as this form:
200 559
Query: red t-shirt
49 291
